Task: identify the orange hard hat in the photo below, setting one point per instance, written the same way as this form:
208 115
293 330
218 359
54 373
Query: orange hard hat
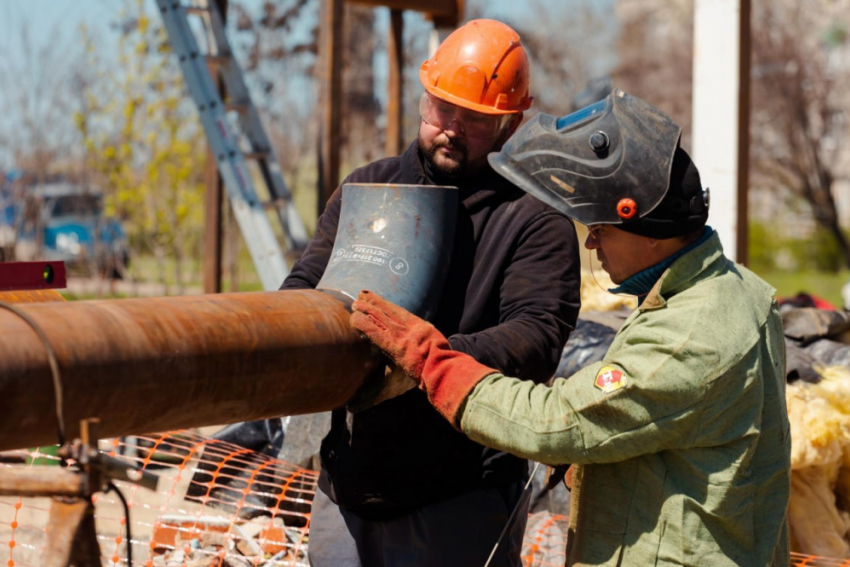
481 66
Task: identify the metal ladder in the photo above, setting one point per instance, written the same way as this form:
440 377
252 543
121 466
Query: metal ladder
227 145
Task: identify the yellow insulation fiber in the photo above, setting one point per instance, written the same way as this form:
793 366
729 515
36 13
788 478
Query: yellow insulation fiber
819 510
595 295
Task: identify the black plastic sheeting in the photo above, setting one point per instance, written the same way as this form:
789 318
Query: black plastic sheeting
546 494
799 364
262 437
830 353
589 342
808 324
810 335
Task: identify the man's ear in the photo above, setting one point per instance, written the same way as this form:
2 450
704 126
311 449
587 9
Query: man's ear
510 128
516 120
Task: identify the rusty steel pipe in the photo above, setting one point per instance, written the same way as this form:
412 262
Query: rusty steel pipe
42 481
145 365
31 296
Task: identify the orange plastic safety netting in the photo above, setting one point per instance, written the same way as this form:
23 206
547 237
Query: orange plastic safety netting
545 540
802 560
218 505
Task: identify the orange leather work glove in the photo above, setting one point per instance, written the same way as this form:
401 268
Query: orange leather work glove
420 350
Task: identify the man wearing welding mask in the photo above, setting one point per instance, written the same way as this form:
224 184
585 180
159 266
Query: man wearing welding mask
399 486
679 437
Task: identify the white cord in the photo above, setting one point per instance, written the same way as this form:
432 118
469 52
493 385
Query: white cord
511 517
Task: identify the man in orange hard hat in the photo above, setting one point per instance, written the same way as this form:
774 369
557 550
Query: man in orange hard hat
399 486
476 89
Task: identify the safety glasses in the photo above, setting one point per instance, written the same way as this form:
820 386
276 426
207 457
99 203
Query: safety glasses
442 115
596 231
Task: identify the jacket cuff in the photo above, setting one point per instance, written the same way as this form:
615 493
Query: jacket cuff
448 378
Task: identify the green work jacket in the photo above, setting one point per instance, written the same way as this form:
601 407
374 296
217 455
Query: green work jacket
681 432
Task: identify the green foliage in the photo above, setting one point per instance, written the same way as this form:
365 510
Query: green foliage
835 35
822 284
820 252
768 251
793 265
762 248
143 138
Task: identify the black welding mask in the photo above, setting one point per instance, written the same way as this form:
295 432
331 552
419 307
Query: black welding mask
617 161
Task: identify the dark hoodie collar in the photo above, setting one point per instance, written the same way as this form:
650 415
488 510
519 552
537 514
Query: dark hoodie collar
412 171
473 190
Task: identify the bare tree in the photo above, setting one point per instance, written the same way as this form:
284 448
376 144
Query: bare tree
568 47
799 129
278 47
360 134
655 49
281 47
35 102
36 133
799 115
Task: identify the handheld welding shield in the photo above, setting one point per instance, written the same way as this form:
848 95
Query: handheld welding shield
608 163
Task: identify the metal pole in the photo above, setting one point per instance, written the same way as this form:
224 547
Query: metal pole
142 365
213 201
444 24
213 195
41 481
331 138
395 84
744 66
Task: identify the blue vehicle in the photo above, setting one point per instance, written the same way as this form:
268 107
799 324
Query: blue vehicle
62 221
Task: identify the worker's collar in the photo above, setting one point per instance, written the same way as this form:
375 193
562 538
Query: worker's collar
647 283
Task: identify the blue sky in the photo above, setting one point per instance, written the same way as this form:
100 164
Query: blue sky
38 40
57 21
51 22
38 37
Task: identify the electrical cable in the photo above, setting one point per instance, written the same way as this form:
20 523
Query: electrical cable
111 486
599 285
513 514
60 411
54 369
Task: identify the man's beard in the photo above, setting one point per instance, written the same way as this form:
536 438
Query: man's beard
454 170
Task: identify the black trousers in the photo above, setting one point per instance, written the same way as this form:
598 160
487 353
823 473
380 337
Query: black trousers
459 532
